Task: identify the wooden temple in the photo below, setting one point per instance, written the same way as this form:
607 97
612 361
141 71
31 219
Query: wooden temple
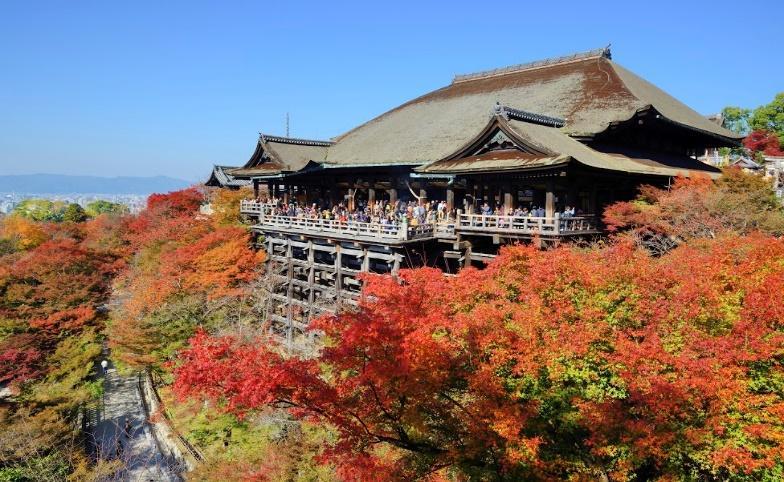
578 131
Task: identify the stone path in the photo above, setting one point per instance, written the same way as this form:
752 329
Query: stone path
137 449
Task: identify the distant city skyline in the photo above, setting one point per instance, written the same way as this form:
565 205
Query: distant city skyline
146 89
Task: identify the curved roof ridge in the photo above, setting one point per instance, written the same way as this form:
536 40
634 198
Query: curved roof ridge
537 64
293 140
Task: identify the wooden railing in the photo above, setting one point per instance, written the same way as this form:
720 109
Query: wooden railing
250 206
556 225
398 231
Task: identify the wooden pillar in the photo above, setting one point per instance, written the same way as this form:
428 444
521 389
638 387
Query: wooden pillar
450 198
549 200
422 196
371 196
508 199
275 188
338 272
352 194
289 295
286 194
256 189
396 264
392 195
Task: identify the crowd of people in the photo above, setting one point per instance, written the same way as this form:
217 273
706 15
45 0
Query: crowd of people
411 212
378 212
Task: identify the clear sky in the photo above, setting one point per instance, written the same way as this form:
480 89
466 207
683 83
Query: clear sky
147 88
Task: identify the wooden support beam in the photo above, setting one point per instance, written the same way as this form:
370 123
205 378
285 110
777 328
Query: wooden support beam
371 196
549 200
450 198
338 267
509 198
289 296
392 195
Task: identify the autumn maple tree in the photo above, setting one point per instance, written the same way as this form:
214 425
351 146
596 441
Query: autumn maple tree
698 207
55 277
547 365
573 363
764 142
189 270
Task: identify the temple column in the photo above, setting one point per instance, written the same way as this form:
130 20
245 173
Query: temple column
371 196
286 188
450 198
256 189
352 195
392 195
549 200
508 199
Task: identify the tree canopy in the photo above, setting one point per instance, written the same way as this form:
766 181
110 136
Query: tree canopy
558 364
770 117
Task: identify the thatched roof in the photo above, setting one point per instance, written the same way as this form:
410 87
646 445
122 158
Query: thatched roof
581 95
589 91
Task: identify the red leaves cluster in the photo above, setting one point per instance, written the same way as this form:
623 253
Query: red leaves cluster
566 363
49 290
766 142
178 203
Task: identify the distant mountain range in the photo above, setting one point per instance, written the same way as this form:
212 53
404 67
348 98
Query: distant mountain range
64 184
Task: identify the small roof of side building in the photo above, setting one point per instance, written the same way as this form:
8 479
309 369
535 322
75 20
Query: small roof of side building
537 145
275 155
221 177
589 91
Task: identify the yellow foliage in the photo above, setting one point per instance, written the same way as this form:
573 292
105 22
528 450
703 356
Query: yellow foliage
226 204
24 233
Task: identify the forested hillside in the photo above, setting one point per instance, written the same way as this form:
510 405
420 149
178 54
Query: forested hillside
655 354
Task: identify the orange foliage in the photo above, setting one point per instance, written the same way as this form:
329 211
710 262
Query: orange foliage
178 254
24 233
560 364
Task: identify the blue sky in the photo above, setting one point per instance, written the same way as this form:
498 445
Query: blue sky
148 88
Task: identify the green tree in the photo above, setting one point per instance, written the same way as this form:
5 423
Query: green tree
41 210
736 119
770 117
74 213
96 208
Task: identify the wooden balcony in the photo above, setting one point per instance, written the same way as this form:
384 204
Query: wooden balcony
398 233
254 208
351 230
526 225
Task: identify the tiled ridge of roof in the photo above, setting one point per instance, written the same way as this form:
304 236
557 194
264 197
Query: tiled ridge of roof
294 140
522 115
596 53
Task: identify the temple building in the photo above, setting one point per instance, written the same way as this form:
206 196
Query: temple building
531 152
221 177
